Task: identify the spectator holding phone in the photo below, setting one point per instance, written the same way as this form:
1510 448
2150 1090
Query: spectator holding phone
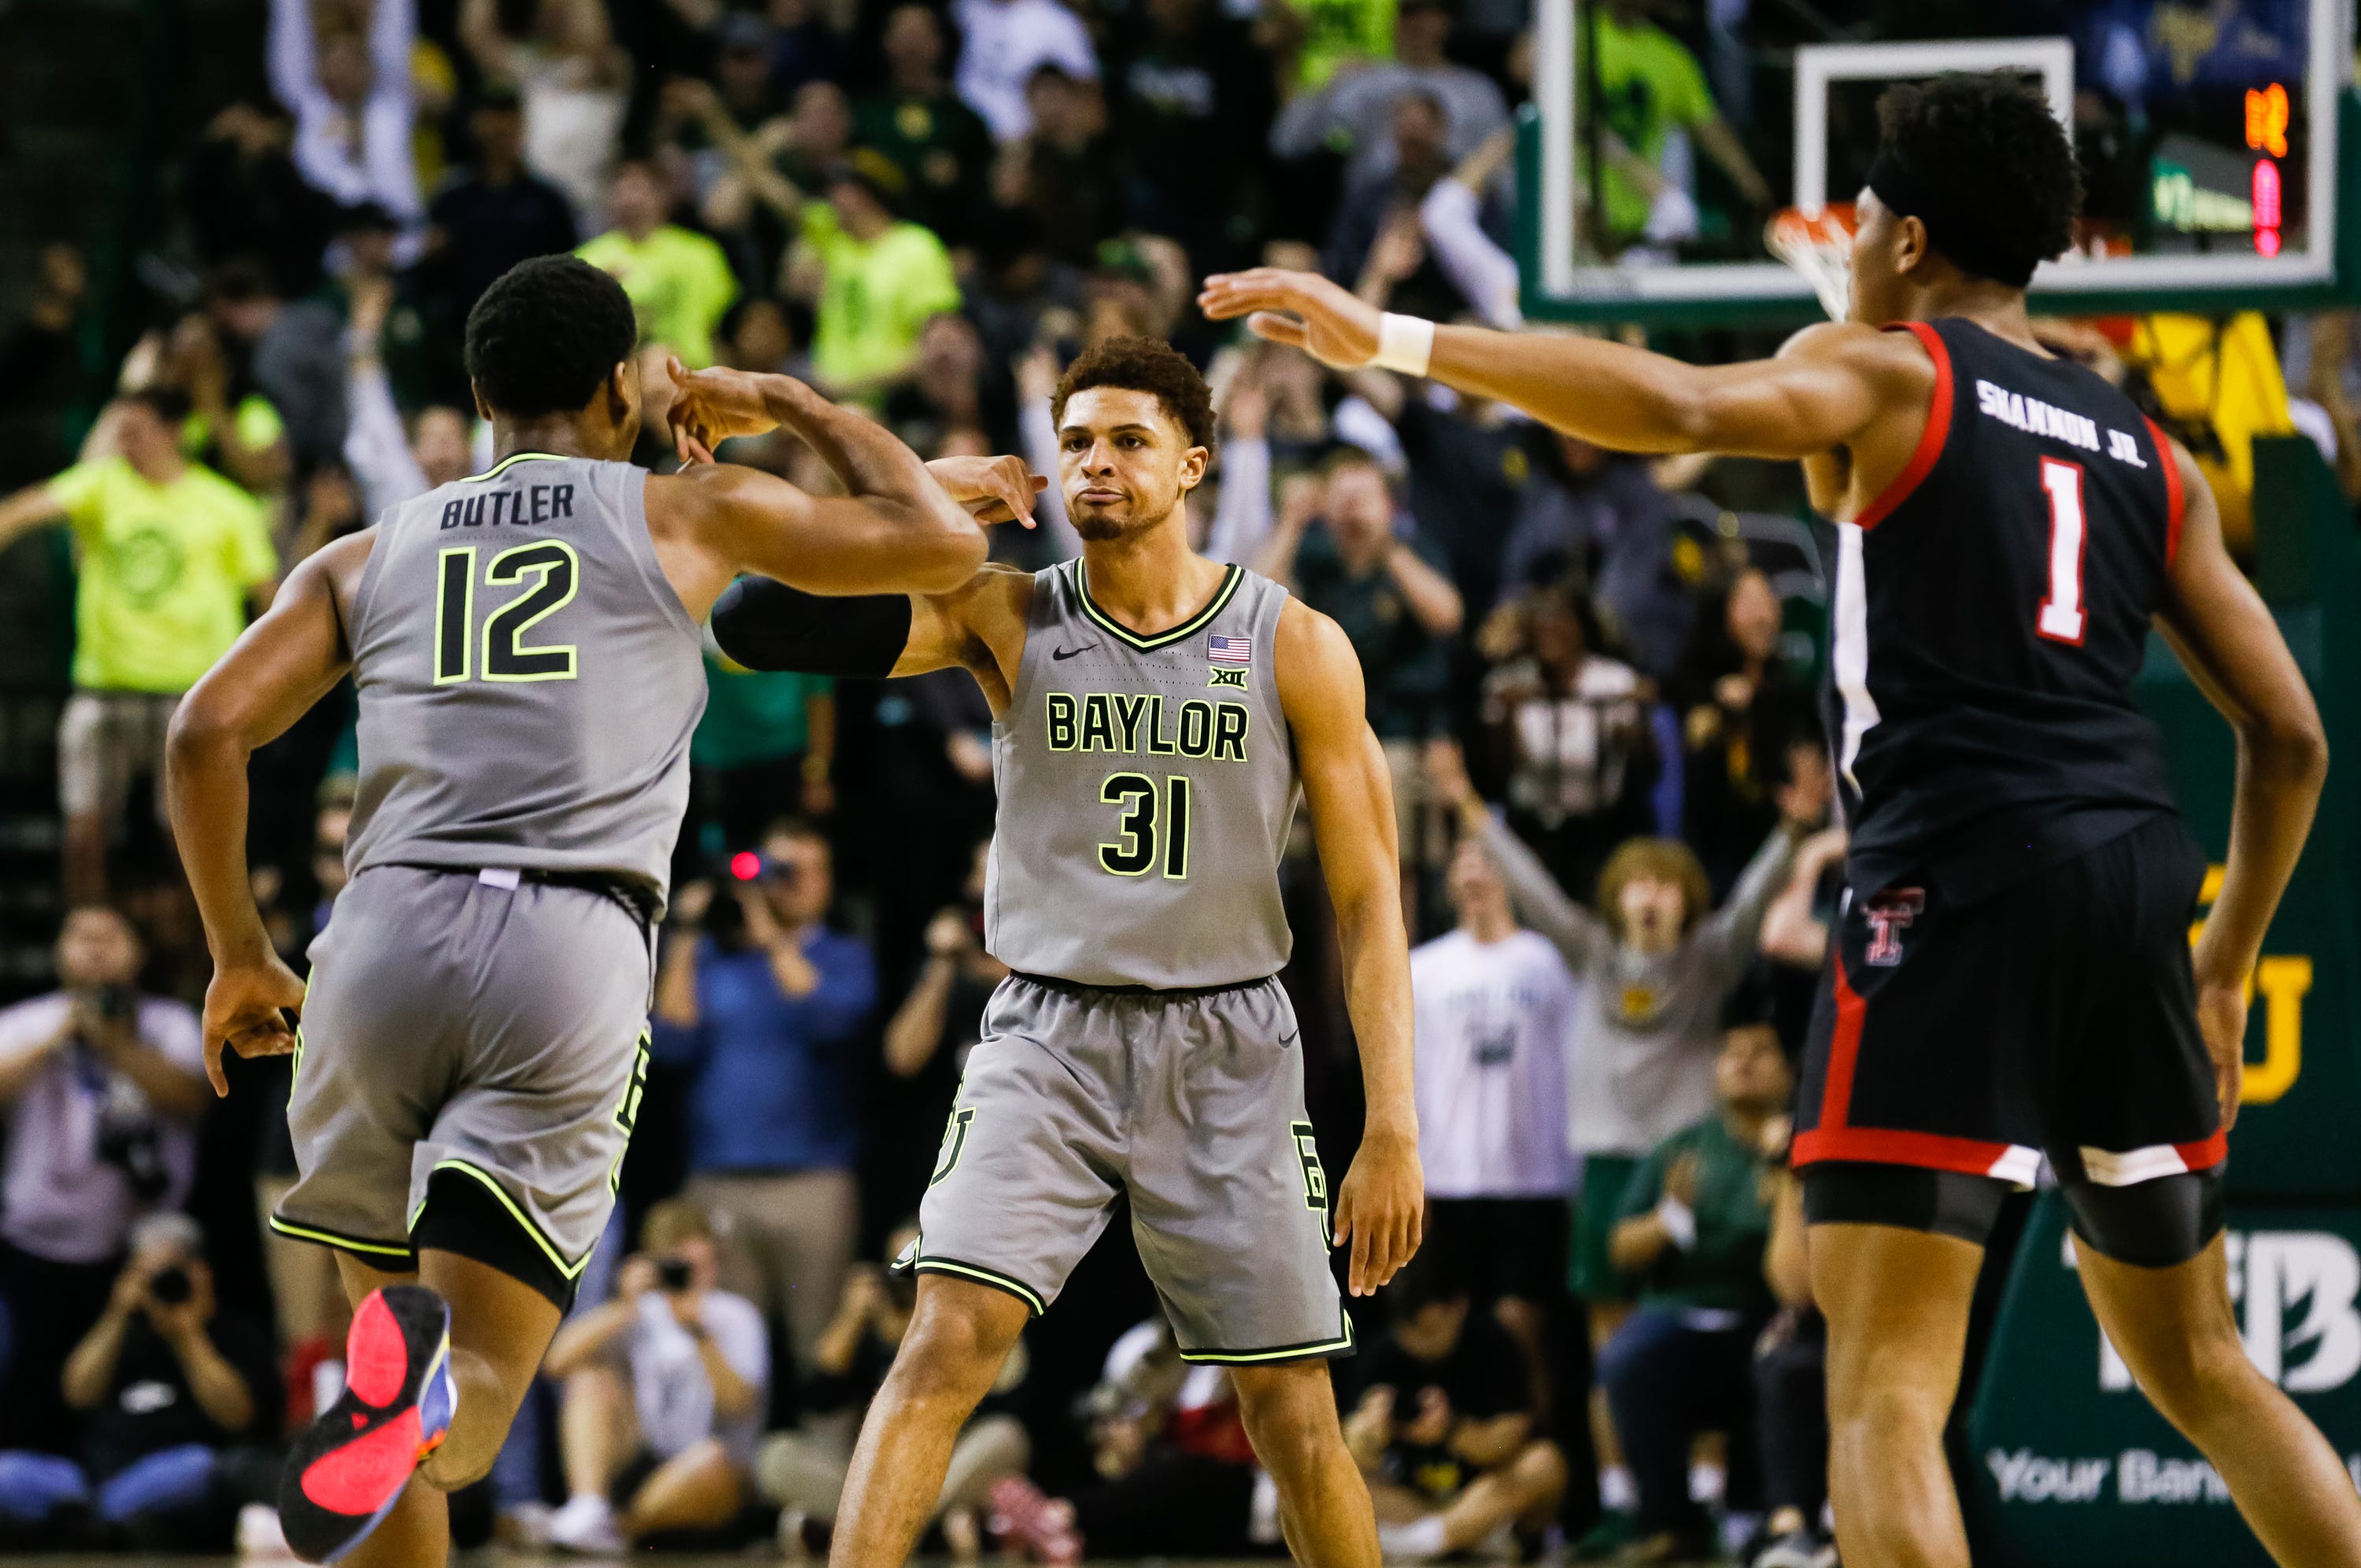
165 1386
1443 1427
101 1088
665 1392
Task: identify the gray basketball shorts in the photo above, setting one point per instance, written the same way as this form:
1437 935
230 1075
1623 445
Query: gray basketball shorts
480 1045
1192 1103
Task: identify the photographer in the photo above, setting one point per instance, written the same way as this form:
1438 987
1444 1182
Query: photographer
664 1389
764 1003
164 1386
1443 1427
102 1088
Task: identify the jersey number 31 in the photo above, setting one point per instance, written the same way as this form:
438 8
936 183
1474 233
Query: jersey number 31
555 571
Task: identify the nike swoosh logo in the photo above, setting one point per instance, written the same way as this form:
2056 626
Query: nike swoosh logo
1288 1038
1056 654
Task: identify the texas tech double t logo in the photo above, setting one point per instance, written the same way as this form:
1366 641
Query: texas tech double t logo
1889 915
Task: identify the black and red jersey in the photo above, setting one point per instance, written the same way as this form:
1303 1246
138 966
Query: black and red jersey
1992 609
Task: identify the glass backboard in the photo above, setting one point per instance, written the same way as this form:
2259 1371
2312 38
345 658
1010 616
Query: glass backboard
2209 132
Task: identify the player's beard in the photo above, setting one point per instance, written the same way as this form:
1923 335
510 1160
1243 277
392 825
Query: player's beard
1099 527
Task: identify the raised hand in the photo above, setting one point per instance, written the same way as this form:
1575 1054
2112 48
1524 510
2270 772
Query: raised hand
993 489
1302 309
710 406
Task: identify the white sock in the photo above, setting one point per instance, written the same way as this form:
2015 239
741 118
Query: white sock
1420 1538
1618 1493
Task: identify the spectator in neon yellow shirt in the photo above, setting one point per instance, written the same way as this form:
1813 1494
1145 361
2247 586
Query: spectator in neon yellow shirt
172 556
1650 86
876 279
679 281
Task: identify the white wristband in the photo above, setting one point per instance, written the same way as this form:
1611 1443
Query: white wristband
1404 343
1679 1221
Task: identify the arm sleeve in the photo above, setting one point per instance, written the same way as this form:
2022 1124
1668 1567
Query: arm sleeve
1243 519
767 625
1484 275
1731 932
1038 438
386 126
1577 933
375 444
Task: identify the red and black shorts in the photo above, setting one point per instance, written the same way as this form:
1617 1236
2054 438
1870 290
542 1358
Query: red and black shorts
2056 1016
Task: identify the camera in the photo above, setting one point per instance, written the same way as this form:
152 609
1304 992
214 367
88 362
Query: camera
674 1275
171 1285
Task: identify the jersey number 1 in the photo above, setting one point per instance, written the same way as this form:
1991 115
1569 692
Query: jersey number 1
1135 853
2060 618
557 571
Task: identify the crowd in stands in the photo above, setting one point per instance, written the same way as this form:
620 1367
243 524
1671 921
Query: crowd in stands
1591 674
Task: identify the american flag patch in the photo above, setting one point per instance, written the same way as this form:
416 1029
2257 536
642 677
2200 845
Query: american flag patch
1229 650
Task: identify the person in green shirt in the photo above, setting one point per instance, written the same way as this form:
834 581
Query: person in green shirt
766 749
1695 1223
172 558
679 282
1338 34
876 278
1650 85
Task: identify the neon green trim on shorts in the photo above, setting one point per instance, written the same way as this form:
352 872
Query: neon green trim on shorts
492 1184
1283 1353
330 1238
1017 1289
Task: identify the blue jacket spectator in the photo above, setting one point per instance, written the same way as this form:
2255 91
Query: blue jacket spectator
766 1005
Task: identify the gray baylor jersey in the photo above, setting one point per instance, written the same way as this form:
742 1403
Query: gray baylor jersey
528 678
1147 788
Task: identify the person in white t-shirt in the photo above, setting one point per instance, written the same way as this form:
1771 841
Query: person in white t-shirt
1492 1010
1004 42
666 1386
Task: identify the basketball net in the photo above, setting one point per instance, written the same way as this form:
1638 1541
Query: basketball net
1820 246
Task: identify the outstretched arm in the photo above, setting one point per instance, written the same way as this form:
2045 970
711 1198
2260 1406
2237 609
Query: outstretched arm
286 661
1825 387
1380 1207
2231 648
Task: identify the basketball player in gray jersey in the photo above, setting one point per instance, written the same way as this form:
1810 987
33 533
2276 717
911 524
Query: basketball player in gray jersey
524 645
1157 716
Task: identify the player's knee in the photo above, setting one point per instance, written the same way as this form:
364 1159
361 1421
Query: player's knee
2190 1374
1872 1408
952 1348
1290 1414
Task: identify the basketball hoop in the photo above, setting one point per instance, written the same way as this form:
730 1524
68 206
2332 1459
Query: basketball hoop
1820 246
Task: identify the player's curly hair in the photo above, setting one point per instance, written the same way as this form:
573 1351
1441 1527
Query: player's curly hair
2003 163
545 336
1143 364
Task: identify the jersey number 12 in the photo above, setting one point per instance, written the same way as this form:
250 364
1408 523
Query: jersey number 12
555 572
